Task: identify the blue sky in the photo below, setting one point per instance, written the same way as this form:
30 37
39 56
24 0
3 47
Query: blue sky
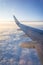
23 9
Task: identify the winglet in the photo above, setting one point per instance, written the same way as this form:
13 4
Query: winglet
15 18
17 22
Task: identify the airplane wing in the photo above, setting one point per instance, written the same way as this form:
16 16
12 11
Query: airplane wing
34 34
